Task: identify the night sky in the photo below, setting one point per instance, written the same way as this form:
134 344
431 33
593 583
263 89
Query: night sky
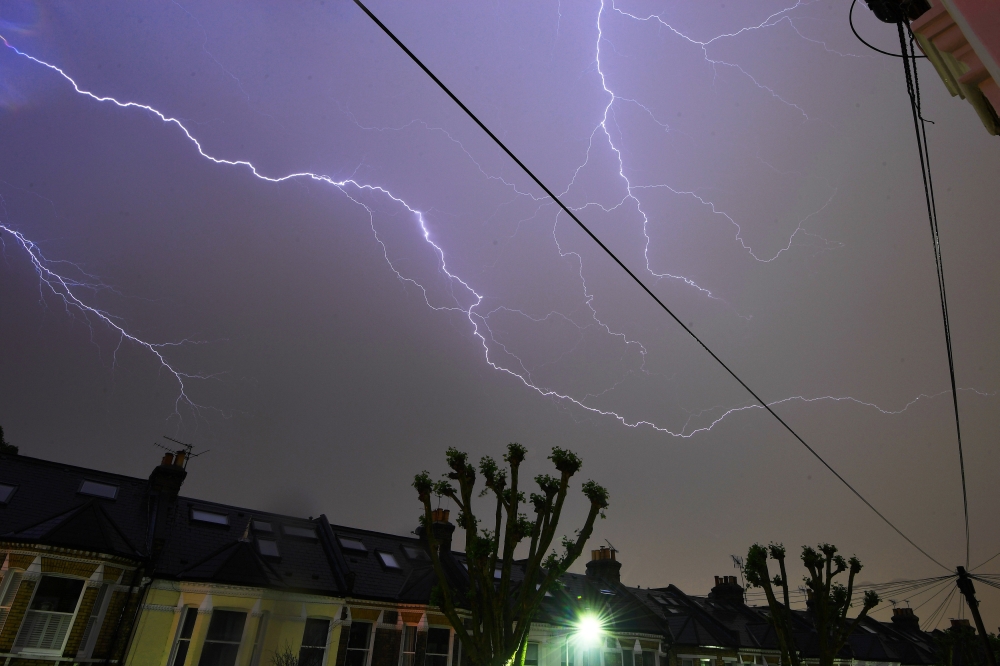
751 161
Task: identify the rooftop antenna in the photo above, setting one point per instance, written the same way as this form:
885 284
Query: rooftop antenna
738 564
612 546
184 453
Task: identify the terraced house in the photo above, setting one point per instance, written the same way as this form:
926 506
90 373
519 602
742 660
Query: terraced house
100 567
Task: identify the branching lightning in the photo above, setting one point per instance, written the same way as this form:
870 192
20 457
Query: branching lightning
464 297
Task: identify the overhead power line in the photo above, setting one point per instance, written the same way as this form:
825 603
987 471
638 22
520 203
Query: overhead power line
632 275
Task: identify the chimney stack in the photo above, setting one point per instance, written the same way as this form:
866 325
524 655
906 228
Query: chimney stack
603 565
443 530
727 589
904 618
168 476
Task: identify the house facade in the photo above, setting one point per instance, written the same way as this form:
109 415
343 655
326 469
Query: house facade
99 567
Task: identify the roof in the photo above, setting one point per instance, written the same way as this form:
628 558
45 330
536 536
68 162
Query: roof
189 539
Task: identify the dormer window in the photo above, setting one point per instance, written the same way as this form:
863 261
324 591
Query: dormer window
389 560
352 544
98 489
268 547
416 554
213 517
300 532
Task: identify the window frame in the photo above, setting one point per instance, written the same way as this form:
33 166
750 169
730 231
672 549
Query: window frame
368 645
9 496
105 484
208 512
326 642
427 647
88 641
382 555
402 646
72 617
205 641
179 634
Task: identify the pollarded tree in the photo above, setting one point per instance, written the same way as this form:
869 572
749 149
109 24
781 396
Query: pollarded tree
828 600
501 610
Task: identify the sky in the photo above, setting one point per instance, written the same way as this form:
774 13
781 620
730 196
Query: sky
259 228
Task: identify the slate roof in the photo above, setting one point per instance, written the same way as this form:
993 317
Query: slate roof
317 557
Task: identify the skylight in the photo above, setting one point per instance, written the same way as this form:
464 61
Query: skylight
203 516
97 489
389 561
301 532
352 544
262 526
415 553
268 547
6 492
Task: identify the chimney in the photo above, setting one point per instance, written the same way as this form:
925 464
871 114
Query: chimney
603 566
727 590
904 618
957 624
167 478
443 530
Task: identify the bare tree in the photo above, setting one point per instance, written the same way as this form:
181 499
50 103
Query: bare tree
828 600
501 610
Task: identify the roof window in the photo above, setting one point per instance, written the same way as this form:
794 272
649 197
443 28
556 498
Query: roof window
268 547
301 532
352 544
6 492
415 553
98 489
262 526
389 560
213 517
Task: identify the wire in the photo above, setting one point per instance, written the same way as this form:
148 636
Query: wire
913 91
938 613
850 19
632 275
987 561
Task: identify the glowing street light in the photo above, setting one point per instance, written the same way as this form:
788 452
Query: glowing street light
589 630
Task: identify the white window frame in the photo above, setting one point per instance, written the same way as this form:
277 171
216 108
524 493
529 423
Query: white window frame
69 629
243 636
177 634
402 645
95 621
258 640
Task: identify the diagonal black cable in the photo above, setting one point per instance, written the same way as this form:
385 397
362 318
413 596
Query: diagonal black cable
850 20
913 90
632 275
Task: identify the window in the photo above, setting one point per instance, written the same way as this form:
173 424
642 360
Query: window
203 516
300 532
93 623
357 644
222 643
389 561
268 547
415 554
531 655
314 637
648 658
8 590
184 631
258 641
50 614
612 655
352 544
409 646
437 647
97 489
262 526
6 492
566 654
592 657
628 657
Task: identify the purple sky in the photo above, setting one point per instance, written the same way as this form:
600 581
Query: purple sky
751 161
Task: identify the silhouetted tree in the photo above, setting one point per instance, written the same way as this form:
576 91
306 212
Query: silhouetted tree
828 600
5 446
502 610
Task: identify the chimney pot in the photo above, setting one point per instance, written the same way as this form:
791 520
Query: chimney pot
179 460
727 589
440 515
604 565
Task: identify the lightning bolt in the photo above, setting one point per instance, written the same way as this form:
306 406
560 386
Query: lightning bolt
463 297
